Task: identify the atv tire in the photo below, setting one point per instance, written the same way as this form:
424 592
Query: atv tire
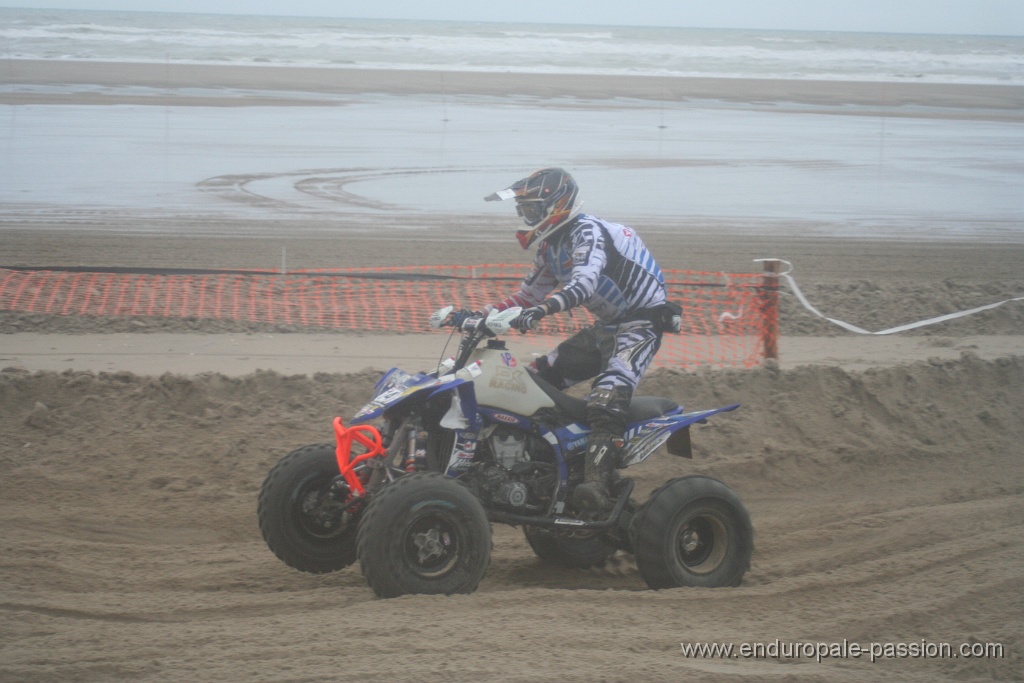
574 550
299 515
693 531
424 534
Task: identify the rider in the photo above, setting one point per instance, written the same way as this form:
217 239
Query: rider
606 268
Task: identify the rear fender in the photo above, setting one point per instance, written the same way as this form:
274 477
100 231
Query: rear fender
643 438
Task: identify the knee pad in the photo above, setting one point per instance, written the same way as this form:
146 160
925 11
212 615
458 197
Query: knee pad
608 410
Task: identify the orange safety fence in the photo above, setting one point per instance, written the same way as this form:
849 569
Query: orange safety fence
728 319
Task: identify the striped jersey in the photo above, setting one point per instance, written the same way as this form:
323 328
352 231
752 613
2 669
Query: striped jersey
600 265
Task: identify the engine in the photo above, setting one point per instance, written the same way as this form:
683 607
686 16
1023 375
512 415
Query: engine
512 473
508 447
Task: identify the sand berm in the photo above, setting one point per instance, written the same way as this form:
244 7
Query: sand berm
887 506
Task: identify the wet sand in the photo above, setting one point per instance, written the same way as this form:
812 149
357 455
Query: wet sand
1005 101
411 154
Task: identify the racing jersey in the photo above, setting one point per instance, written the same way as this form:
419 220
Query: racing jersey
600 265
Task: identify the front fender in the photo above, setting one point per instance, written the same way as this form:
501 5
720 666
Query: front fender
398 387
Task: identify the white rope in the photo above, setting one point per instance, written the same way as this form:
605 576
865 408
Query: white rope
892 330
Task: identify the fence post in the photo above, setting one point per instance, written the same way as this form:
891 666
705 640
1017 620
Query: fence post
770 309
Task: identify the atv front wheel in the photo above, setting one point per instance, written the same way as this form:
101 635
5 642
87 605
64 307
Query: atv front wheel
424 534
300 512
694 531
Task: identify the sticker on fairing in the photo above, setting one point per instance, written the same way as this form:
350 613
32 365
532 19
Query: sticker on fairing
395 388
463 451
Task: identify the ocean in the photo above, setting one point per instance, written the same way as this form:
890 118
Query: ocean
412 161
528 48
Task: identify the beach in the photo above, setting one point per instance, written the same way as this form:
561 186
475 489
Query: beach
883 474
981 100
341 149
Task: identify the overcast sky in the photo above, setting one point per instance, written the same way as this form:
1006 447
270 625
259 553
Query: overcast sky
996 17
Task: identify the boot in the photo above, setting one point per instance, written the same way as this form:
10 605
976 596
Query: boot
594 494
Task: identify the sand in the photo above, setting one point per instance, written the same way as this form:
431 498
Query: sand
317 83
883 475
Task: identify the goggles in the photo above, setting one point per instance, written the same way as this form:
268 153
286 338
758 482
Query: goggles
530 210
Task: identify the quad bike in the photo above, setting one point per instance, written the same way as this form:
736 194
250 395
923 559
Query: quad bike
481 440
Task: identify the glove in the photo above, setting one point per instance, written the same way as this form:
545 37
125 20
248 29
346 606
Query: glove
529 319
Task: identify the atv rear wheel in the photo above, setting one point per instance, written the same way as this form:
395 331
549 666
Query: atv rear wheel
574 550
694 531
300 513
424 534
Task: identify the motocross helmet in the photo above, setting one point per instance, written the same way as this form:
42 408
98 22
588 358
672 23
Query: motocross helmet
546 201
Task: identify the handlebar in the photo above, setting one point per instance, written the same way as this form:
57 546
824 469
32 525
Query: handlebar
470 322
474 327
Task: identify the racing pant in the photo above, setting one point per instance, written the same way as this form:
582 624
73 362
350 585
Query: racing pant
616 356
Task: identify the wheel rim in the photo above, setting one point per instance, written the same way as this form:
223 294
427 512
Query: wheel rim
701 543
433 544
316 508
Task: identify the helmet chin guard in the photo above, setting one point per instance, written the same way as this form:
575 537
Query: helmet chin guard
525 238
546 200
